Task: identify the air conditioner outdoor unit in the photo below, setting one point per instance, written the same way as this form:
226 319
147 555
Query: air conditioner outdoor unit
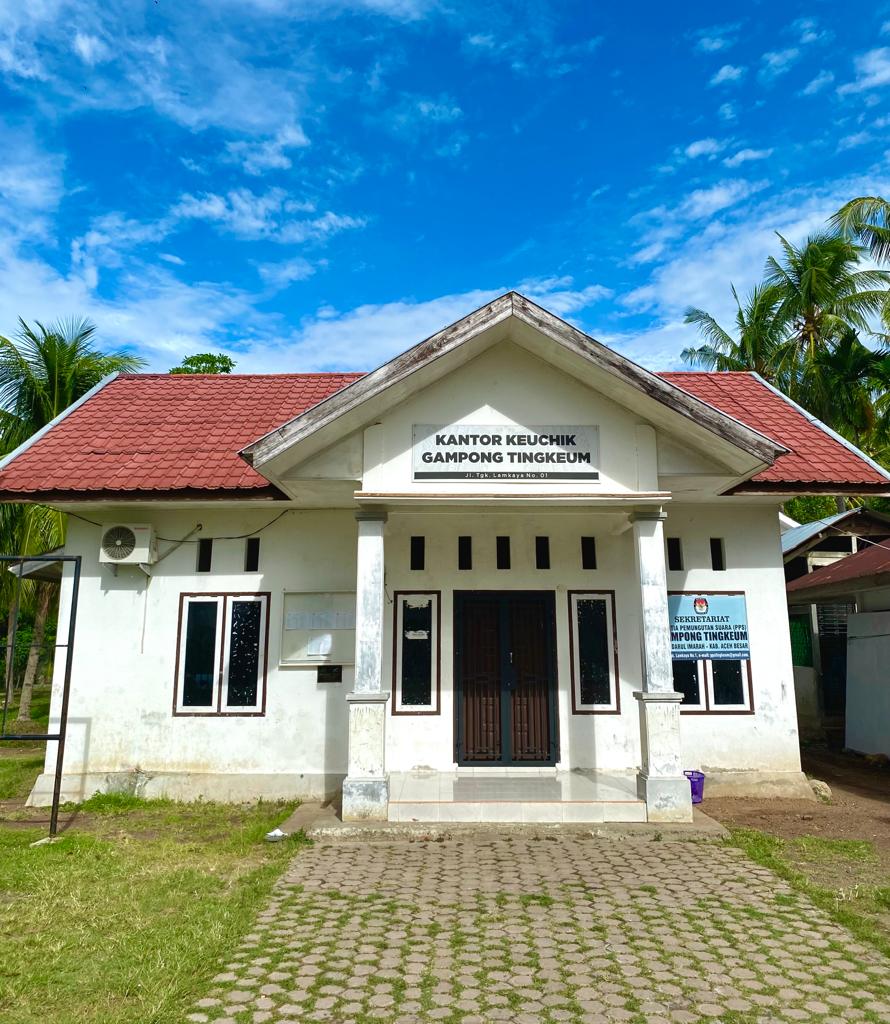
128 544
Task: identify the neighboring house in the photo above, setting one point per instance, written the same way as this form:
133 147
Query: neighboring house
819 631
860 581
509 575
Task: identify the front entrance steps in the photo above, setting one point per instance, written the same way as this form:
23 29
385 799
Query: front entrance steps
541 796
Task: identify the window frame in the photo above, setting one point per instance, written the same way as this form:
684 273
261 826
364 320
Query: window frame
416 710
614 705
218 709
702 672
746 708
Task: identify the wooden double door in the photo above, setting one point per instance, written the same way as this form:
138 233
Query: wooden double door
505 678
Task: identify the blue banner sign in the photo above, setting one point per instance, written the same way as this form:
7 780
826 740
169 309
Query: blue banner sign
712 626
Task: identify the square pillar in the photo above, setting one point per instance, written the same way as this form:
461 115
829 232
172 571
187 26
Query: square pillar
661 782
366 786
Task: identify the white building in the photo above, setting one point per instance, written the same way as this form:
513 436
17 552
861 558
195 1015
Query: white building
445 586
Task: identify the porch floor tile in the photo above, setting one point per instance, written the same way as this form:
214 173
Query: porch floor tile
545 796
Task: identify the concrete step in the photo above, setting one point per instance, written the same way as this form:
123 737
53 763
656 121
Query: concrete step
517 811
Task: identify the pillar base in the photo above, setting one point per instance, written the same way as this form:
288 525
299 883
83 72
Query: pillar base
366 786
667 799
661 782
365 799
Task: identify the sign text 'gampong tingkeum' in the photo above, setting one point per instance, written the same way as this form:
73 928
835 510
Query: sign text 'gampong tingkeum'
489 451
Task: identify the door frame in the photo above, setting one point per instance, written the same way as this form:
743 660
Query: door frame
460 598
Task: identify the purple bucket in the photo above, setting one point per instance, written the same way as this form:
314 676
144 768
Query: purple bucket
697 784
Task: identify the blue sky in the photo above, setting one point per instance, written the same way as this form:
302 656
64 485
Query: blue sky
317 184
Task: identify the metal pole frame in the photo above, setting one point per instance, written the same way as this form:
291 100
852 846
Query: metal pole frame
60 736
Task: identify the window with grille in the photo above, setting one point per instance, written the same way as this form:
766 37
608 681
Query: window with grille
221 654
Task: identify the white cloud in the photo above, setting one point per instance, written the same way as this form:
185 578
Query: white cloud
872 71
745 155
666 225
698 269
704 202
818 83
363 337
809 31
169 257
704 147
257 157
854 140
532 49
91 49
716 38
30 178
777 62
727 112
728 73
286 272
272 215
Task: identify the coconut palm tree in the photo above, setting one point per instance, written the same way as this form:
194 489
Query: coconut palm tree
824 291
43 371
866 219
761 341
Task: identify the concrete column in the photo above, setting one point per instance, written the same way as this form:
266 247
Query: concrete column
661 782
366 786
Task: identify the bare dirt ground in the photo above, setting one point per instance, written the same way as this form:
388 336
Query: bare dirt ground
859 809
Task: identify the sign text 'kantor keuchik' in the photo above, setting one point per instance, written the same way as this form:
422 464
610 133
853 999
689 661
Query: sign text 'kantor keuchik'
486 451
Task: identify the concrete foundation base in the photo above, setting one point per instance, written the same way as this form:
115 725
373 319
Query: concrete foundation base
187 786
667 799
792 785
365 799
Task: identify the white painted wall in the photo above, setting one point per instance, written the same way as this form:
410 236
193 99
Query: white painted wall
125 648
768 739
506 384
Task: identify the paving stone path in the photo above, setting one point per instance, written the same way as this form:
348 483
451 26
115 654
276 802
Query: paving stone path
557 927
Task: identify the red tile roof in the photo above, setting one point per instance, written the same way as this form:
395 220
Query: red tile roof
872 560
161 435
814 458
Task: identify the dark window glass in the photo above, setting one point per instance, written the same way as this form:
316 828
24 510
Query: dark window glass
252 554
729 684
330 674
200 654
205 554
503 552
686 681
675 554
465 552
588 552
718 559
417 651
418 552
542 552
244 654
593 652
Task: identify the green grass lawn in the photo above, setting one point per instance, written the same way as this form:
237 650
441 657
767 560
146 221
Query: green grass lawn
133 910
844 877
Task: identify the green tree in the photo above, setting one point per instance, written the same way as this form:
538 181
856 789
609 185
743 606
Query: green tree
867 220
43 371
824 291
205 362
761 341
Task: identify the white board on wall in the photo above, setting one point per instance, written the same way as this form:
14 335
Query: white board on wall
318 628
